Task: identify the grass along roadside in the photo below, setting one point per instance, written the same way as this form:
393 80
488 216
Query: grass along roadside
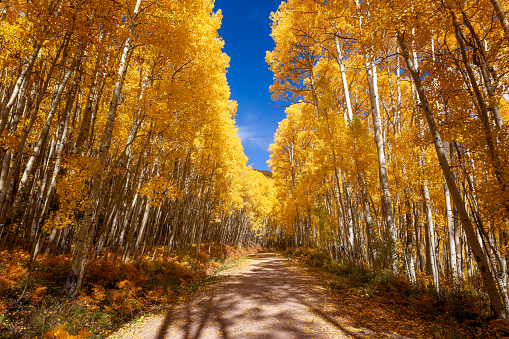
230 265
225 266
459 311
112 294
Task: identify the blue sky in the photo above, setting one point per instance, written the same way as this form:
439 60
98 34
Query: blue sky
246 32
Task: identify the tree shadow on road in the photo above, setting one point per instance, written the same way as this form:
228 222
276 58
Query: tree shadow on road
266 301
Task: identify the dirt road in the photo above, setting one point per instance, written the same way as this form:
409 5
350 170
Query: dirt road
266 298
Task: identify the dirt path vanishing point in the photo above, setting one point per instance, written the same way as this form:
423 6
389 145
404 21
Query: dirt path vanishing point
266 298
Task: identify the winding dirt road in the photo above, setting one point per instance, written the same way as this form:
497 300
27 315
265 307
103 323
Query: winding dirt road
266 298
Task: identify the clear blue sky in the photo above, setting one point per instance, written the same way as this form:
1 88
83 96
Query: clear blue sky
246 32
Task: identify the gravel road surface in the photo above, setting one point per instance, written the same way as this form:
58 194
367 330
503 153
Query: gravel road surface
267 297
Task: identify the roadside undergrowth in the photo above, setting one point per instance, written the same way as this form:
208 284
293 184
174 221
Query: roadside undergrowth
112 293
458 311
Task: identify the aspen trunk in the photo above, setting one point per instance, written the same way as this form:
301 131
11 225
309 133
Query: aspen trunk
450 230
93 98
482 109
384 180
501 15
344 80
42 135
488 84
12 173
480 257
368 218
24 73
410 248
72 283
398 87
431 259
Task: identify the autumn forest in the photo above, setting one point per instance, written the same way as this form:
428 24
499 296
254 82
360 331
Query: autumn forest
118 141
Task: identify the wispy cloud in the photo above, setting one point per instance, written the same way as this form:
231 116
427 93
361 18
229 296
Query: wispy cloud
254 135
256 127
245 132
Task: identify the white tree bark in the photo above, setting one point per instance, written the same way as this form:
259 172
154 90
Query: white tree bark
501 15
72 284
14 95
44 132
430 241
450 230
384 180
343 78
480 257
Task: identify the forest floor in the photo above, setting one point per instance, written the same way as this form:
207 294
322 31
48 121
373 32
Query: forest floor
113 293
273 297
391 306
235 293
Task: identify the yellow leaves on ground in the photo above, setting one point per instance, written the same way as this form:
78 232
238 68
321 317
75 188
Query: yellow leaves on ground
61 333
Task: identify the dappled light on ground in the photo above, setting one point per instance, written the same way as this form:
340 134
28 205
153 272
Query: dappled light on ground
268 298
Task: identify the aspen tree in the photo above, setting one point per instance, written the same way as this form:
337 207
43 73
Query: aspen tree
480 257
371 74
501 15
78 263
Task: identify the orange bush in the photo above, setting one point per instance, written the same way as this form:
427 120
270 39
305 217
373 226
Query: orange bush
61 333
117 291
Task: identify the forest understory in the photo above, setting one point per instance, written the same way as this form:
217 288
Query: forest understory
32 304
458 311
115 294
